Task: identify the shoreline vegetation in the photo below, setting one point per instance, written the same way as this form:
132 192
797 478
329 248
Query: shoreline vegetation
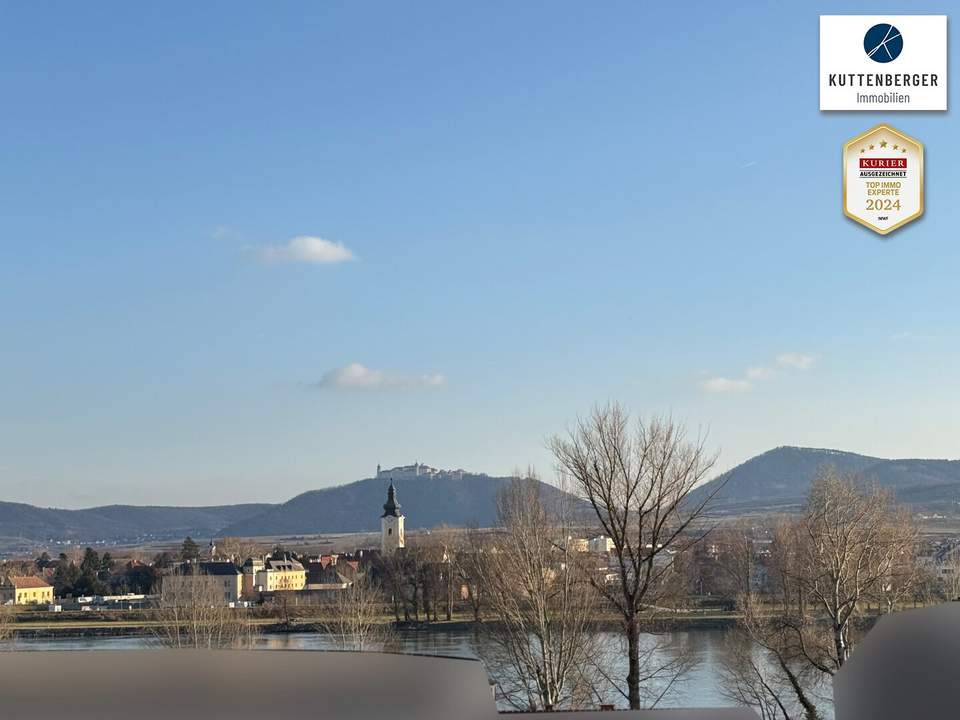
139 624
70 629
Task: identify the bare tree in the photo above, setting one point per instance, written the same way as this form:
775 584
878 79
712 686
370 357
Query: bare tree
905 579
639 483
6 622
191 613
471 551
852 543
539 648
355 618
766 668
238 549
752 675
392 572
948 577
737 561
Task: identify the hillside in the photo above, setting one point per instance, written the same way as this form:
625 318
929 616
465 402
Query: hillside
426 501
119 522
780 479
776 480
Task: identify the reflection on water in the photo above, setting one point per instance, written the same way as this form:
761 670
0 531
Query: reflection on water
700 688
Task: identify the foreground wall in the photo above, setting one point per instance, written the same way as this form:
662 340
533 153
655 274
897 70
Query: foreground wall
266 685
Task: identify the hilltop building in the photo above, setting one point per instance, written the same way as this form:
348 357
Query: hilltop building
408 472
19 590
391 524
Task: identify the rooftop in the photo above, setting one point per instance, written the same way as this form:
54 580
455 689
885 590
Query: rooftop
21 581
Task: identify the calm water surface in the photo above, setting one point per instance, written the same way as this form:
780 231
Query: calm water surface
699 689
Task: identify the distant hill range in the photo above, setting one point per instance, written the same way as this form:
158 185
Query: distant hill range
780 479
776 480
115 523
453 498
428 498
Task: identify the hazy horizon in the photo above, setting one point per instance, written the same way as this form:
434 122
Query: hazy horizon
474 471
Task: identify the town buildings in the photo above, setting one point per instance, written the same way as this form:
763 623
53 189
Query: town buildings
281 573
228 578
600 544
20 590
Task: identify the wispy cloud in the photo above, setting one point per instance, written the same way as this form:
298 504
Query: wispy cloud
725 385
797 361
306 249
750 164
754 374
759 372
356 376
221 232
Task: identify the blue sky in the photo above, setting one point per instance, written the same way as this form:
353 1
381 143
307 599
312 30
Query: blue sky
506 213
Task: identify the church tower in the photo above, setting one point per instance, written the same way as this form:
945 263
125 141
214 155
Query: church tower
391 523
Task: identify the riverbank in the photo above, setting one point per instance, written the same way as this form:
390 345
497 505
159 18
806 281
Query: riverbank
142 627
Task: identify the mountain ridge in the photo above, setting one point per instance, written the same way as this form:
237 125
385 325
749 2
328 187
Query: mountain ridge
775 480
431 500
780 478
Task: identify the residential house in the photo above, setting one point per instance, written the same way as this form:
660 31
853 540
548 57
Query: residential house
21 590
224 579
228 576
283 573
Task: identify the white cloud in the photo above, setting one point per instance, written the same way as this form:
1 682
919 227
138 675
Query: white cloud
759 372
307 249
725 385
356 376
796 361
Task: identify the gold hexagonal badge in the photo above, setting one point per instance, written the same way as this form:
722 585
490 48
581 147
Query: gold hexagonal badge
883 179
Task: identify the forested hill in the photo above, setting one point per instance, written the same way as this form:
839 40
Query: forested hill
119 522
427 501
781 478
776 480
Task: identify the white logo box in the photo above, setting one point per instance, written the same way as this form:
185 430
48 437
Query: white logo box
915 80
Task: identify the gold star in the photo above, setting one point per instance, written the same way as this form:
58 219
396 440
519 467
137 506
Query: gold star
903 150
863 150
883 143
871 147
896 147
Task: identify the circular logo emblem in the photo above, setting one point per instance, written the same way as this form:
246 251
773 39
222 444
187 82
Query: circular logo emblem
883 43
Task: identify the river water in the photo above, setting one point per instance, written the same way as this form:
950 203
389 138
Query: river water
700 688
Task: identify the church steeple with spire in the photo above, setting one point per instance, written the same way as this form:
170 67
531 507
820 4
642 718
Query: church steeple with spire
391 506
391 523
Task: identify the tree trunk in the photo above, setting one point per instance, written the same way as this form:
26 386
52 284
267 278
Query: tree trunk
810 711
449 596
633 656
840 641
